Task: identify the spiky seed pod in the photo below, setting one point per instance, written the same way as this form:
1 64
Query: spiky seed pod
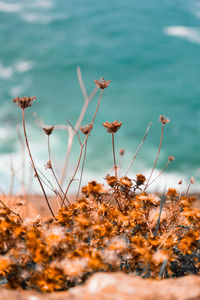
24 102
102 84
112 127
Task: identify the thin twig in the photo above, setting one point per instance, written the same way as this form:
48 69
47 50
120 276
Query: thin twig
11 211
23 162
84 157
78 123
72 179
52 169
113 146
136 153
163 170
158 221
161 138
76 131
82 146
33 164
12 176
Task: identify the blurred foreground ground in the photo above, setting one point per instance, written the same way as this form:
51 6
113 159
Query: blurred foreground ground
114 286
31 206
101 286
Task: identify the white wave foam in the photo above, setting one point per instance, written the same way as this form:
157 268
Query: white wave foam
6 72
16 90
38 18
23 66
44 4
9 7
190 34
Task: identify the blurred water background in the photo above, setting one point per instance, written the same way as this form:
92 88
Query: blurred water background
149 50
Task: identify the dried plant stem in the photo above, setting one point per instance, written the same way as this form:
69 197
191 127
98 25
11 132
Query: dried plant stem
160 173
12 177
188 189
136 153
78 123
16 214
72 179
180 190
114 159
81 151
23 162
53 172
84 157
160 212
33 164
161 138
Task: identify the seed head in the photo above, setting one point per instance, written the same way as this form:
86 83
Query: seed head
112 127
111 180
102 84
48 165
126 182
86 129
48 130
172 193
164 120
171 158
121 152
140 179
192 180
24 102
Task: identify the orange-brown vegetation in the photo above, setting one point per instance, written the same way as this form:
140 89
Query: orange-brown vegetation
120 227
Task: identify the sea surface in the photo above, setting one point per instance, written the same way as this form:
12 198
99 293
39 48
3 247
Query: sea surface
150 50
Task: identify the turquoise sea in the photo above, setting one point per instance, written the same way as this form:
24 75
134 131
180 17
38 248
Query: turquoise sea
150 50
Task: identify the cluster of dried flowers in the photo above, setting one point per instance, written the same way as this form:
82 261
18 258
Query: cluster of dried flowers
93 234
119 228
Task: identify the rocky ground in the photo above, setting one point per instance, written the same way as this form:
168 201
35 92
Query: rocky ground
114 286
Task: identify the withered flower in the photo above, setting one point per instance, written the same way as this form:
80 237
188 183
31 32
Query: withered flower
92 188
121 152
48 165
111 180
24 102
112 127
171 158
140 179
102 84
164 120
48 130
192 181
172 193
86 129
126 182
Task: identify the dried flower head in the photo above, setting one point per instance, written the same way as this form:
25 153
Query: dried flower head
164 120
112 127
126 182
92 188
140 179
121 152
111 180
102 84
48 130
48 165
86 129
171 158
24 102
172 193
192 180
